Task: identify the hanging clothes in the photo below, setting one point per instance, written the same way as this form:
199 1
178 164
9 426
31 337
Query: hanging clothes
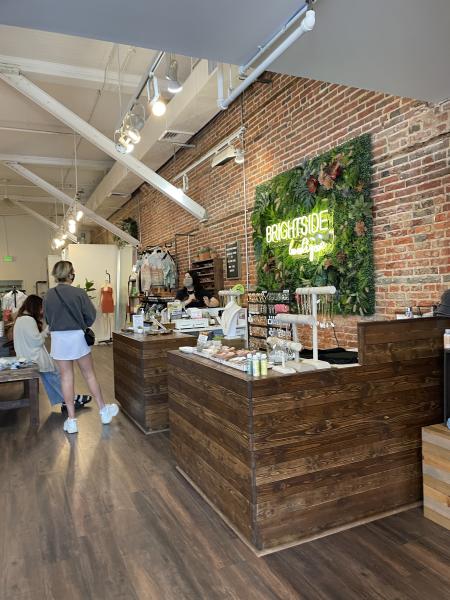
13 300
156 269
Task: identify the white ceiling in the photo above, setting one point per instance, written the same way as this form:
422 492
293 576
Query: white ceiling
224 30
401 47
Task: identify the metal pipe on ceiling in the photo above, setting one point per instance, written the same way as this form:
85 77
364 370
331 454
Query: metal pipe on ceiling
306 25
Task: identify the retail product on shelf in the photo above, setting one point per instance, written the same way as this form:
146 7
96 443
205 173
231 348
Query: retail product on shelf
263 308
210 273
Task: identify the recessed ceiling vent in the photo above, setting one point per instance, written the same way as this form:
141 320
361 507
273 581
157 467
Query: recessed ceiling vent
175 137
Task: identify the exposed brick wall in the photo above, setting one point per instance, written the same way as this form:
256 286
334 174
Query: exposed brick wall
292 119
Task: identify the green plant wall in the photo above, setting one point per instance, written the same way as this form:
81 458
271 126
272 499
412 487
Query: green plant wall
337 182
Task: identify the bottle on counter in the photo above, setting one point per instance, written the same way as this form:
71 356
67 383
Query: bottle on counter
447 339
263 364
256 366
249 364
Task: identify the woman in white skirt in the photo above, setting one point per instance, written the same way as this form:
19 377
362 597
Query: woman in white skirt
69 312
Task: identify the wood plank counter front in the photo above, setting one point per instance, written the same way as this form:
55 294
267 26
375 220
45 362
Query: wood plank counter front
288 458
140 376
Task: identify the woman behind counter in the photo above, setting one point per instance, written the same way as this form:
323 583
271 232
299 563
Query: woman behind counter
192 295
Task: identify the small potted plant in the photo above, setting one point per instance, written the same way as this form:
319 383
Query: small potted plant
204 253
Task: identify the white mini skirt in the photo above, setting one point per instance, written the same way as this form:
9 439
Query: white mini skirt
69 345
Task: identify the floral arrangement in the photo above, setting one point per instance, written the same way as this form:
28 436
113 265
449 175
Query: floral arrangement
338 182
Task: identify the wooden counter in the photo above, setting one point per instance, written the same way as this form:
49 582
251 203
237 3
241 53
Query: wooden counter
140 376
288 458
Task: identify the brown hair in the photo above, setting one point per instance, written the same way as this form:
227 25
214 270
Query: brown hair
32 306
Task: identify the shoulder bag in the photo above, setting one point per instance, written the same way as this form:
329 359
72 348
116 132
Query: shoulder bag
89 335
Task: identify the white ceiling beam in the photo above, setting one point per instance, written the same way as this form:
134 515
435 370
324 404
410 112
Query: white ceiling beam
40 218
50 189
48 161
58 110
190 110
50 71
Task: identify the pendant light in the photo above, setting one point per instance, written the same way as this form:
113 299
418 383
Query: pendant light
174 85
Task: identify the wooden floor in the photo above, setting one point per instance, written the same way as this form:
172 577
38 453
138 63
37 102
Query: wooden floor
104 515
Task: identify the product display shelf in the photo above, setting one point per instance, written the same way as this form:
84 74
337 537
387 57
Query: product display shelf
262 316
210 273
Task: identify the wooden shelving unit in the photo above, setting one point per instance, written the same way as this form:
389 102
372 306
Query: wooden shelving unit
210 273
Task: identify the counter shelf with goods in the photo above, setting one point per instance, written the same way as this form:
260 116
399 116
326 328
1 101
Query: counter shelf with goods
262 310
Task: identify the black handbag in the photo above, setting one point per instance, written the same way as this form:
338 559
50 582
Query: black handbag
89 335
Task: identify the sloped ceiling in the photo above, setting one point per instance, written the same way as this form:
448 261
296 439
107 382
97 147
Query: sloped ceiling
225 30
401 47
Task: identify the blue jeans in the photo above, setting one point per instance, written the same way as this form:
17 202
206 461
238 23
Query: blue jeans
52 384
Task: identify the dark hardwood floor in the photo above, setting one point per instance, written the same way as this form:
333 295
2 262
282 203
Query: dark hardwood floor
104 515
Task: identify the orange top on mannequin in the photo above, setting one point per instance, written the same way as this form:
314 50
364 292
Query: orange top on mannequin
106 299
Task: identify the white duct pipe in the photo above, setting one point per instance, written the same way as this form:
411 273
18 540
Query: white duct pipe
306 25
262 49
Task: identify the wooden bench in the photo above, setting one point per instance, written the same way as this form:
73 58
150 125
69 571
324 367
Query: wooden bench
30 398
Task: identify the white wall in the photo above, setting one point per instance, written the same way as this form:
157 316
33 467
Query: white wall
28 241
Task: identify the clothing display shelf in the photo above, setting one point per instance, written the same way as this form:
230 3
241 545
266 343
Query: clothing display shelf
210 273
262 322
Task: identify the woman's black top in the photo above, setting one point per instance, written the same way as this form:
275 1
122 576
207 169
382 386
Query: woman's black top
183 295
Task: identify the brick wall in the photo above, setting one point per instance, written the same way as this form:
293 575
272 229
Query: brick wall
292 119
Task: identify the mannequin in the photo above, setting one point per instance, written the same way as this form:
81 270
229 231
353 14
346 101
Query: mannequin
107 306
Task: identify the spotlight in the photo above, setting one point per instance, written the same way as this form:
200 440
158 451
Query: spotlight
240 157
172 76
72 225
130 129
185 183
157 105
158 108
123 142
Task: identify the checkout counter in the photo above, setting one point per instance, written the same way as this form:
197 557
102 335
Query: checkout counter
288 458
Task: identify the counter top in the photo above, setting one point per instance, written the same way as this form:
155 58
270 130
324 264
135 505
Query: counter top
141 338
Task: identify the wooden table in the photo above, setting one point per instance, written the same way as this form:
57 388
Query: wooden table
30 379
140 376
286 459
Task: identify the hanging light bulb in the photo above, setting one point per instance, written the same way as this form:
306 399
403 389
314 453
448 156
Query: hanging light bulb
79 215
72 225
174 85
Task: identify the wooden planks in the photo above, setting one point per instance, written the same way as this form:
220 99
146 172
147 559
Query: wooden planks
30 398
140 376
303 454
436 474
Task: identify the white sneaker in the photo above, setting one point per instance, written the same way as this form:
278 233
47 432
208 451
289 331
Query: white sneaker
70 426
108 412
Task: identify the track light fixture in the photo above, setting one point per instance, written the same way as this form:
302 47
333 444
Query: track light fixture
123 142
185 183
174 85
157 105
240 156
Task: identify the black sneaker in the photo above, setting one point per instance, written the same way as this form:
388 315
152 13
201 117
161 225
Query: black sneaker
79 401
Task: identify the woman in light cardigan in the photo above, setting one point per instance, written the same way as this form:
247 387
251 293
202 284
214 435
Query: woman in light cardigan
29 343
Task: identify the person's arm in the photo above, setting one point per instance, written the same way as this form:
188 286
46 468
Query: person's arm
213 302
88 310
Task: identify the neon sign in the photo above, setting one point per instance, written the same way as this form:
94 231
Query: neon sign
307 235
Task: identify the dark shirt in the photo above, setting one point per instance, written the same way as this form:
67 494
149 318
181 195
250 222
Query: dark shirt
57 315
183 295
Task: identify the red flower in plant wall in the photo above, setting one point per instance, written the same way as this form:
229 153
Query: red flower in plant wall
312 185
